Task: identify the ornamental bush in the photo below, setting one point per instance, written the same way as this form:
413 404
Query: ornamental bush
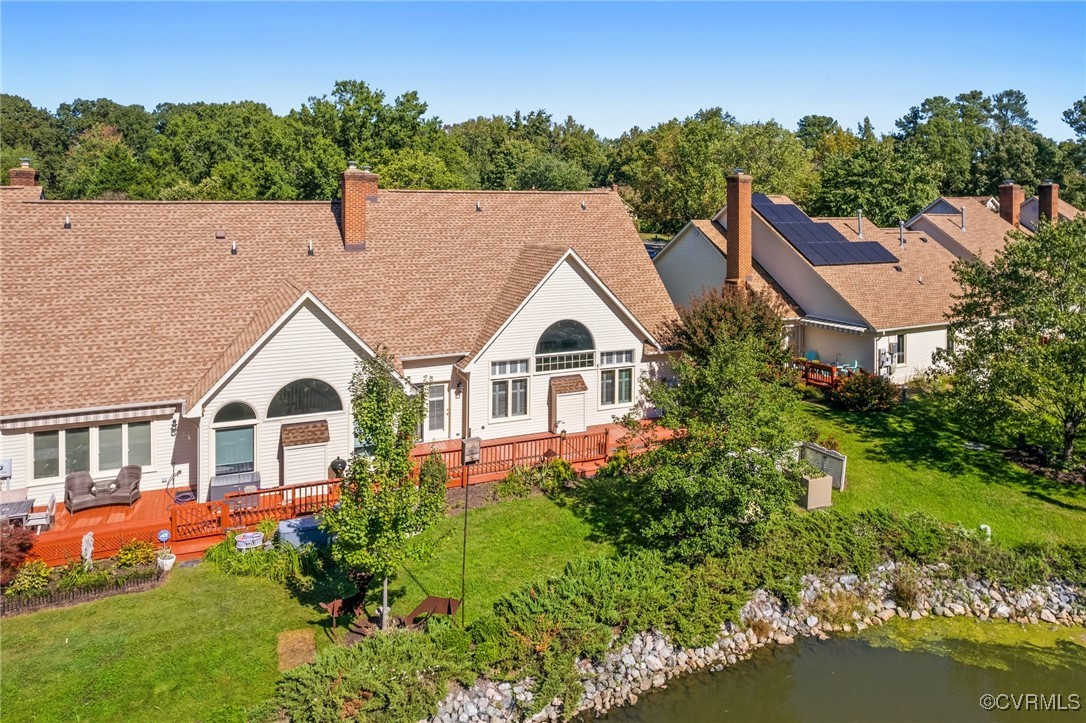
15 545
32 578
863 392
135 553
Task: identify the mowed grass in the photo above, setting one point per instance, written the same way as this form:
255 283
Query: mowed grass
199 643
915 459
509 544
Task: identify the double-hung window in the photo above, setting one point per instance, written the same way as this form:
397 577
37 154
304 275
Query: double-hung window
509 389
899 350
98 450
616 380
435 407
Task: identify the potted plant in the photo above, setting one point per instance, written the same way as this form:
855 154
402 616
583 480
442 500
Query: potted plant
166 559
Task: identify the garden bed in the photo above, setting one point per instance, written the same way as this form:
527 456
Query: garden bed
133 580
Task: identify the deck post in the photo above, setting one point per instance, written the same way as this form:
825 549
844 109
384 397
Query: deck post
224 516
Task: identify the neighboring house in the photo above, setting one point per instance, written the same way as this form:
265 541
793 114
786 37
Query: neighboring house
974 226
875 298
198 338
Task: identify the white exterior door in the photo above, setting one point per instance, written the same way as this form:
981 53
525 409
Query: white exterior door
569 413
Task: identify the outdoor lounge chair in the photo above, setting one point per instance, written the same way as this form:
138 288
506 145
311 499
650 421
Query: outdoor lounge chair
81 492
43 519
811 355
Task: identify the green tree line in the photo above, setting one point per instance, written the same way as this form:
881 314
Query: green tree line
668 174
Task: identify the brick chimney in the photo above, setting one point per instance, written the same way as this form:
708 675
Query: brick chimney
740 265
24 175
357 186
1048 201
1010 202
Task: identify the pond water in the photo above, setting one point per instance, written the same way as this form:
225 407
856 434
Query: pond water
879 678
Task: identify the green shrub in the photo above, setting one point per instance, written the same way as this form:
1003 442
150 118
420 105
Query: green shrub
31 579
282 563
135 553
905 586
863 392
77 576
397 676
518 483
269 527
618 465
555 476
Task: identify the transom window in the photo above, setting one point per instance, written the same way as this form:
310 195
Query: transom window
505 368
98 450
235 412
304 396
560 362
612 358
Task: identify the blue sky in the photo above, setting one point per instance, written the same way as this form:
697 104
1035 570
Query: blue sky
610 65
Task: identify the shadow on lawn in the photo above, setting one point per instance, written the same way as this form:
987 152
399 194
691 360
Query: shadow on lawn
921 433
612 507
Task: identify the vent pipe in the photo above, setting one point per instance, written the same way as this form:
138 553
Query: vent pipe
963 218
860 221
901 233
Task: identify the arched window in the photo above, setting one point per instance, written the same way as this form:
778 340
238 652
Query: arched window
565 336
566 344
304 396
235 434
235 412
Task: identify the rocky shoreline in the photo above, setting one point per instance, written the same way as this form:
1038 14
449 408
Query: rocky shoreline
844 603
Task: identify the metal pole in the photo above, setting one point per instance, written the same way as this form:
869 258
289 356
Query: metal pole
464 476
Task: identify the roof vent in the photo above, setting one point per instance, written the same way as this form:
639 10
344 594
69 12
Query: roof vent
478 207
898 268
920 279
220 233
67 222
860 222
233 248
963 218
584 206
901 233
309 251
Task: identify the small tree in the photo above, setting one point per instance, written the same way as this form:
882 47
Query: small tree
382 509
720 480
1021 325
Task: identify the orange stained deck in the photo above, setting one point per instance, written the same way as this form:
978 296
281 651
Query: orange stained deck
197 526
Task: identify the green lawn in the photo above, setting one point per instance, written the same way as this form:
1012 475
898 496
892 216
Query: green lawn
509 544
198 643
914 459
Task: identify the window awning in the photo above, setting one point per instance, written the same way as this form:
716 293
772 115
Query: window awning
833 325
86 418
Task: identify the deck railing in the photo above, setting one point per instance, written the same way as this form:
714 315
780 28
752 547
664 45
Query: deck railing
821 375
246 509
497 456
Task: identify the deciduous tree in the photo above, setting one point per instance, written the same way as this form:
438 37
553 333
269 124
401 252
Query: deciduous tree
1023 331
382 510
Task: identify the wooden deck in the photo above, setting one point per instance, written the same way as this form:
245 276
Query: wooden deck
196 526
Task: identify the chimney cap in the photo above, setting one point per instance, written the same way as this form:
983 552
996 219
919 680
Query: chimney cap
351 165
24 162
1048 182
1008 182
738 171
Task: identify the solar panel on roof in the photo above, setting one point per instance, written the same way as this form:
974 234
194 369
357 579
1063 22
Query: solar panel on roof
819 242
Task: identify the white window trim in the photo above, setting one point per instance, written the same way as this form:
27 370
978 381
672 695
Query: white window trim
591 365
610 365
444 429
96 473
509 399
600 404
901 357
507 375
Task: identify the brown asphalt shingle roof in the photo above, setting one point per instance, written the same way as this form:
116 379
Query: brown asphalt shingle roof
139 302
985 231
916 291
293 435
568 384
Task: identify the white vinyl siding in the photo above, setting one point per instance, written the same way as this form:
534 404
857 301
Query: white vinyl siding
567 294
439 371
920 346
690 264
795 275
309 345
170 452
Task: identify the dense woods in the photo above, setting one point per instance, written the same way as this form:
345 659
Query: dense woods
669 173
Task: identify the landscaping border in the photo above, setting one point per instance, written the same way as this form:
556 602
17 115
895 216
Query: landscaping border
830 603
136 582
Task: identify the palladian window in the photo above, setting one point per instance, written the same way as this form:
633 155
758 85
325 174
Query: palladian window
566 344
304 396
